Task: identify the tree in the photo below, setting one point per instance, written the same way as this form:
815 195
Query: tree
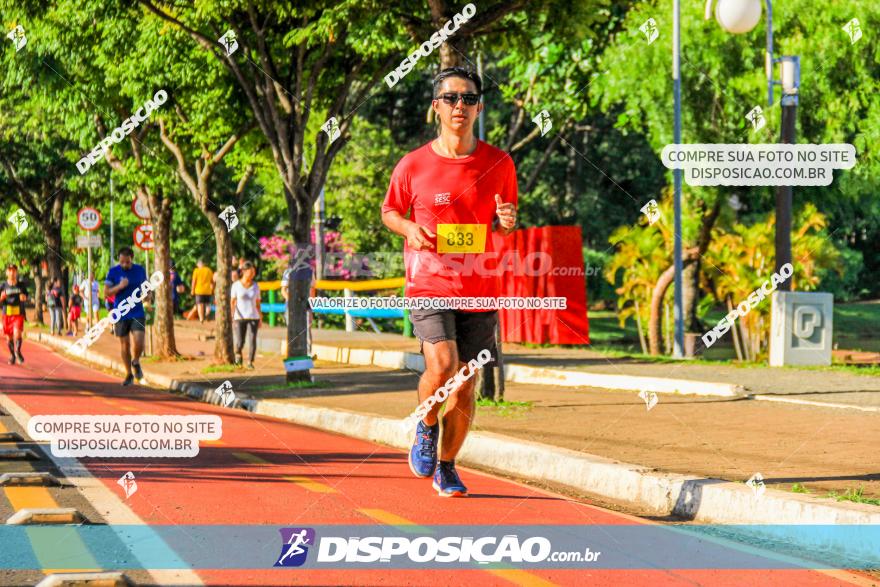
722 79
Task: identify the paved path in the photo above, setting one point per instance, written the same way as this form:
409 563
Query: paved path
265 471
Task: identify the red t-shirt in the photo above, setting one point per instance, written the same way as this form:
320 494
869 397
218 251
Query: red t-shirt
431 189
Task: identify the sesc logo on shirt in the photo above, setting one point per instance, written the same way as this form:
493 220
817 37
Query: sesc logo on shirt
442 199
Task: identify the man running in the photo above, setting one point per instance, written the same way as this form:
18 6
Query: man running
13 296
456 187
121 282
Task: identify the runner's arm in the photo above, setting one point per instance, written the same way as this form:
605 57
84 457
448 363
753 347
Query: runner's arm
412 232
506 216
112 289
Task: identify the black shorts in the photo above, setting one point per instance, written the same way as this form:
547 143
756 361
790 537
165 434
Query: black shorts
471 331
200 299
123 327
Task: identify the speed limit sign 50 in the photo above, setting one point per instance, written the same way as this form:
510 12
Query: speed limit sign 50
88 219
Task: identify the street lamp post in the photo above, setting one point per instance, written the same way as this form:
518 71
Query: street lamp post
678 312
741 16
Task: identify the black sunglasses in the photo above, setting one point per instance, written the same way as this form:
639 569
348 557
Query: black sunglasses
452 98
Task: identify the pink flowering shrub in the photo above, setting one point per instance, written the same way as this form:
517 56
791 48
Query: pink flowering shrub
278 249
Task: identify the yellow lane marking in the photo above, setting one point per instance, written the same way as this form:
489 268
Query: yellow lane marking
116 404
311 485
304 482
86 392
518 577
29 497
394 520
250 458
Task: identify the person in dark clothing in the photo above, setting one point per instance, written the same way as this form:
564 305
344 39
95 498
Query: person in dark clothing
13 296
55 302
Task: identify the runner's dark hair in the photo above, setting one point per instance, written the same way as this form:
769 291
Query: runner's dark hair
461 72
125 251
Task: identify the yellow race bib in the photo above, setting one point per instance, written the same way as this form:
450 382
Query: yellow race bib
461 238
12 310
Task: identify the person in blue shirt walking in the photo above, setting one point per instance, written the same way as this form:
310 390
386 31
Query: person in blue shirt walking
121 282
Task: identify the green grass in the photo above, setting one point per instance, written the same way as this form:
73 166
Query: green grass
799 488
853 495
225 368
856 326
505 408
290 385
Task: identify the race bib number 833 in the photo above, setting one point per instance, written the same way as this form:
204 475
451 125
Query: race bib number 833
461 238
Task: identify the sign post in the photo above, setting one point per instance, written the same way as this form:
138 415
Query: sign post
89 219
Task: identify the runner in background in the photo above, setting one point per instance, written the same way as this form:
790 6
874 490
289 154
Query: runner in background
246 314
55 303
202 288
177 288
13 296
455 191
89 289
74 312
122 281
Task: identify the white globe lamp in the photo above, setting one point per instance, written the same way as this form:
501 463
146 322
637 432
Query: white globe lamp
738 16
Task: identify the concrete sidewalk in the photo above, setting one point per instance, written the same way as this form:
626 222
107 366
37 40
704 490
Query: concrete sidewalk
694 453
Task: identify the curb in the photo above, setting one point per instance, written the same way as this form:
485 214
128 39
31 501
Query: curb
518 373
664 494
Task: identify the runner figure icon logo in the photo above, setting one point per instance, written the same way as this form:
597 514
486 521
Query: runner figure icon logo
230 217
19 221
128 484
544 122
18 38
649 29
294 547
229 42
331 127
756 117
227 395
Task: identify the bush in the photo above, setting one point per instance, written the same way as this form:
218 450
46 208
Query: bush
845 279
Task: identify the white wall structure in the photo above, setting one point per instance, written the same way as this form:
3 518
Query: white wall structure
801 328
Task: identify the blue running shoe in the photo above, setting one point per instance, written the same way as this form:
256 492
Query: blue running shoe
447 482
423 454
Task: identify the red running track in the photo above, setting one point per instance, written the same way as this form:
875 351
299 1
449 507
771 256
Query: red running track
266 471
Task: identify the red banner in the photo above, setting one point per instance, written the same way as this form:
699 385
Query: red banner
552 266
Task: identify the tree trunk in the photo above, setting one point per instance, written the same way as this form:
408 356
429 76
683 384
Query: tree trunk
298 307
735 333
690 296
164 344
38 295
639 327
689 256
52 233
223 316
654 326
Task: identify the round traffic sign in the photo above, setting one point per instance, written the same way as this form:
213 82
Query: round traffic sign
140 208
88 219
143 237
